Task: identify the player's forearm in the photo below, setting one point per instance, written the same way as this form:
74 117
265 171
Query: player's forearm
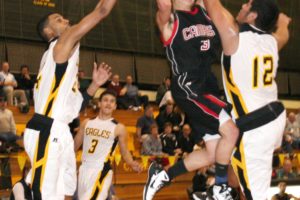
164 11
282 35
127 157
104 7
92 89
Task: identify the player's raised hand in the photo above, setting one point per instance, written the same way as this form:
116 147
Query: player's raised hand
283 19
101 73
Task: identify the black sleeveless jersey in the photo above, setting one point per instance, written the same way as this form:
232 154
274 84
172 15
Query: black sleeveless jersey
191 50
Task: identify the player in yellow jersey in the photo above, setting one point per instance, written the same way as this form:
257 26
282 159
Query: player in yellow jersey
100 137
249 65
57 101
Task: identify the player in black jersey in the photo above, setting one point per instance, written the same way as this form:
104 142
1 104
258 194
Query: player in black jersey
190 40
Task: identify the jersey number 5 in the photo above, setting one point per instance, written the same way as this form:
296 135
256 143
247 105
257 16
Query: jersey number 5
93 146
267 75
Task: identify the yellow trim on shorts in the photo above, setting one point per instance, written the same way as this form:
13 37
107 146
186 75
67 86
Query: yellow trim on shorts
98 185
241 164
42 162
34 166
234 89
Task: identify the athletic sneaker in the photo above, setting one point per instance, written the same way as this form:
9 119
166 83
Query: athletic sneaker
222 192
200 196
157 178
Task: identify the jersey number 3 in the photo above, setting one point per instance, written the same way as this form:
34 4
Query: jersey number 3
93 146
267 75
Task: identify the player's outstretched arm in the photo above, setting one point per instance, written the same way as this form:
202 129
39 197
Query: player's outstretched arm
163 13
282 33
122 134
165 18
78 140
70 37
226 25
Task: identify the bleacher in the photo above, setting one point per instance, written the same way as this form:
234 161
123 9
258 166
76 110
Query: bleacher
128 185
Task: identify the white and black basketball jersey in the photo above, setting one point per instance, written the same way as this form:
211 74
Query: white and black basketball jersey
56 93
99 142
249 74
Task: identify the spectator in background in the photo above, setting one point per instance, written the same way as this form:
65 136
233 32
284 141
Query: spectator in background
287 143
286 172
9 84
282 195
186 141
83 81
151 145
293 128
144 122
116 87
168 115
132 95
25 82
168 141
162 89
298 116
167 98
7 122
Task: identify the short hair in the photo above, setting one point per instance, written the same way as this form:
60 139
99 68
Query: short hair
41 25
24 66
107 92
267 14
152 126
148 107
168 124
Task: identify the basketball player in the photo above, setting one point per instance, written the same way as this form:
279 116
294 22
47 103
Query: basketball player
190 40
100 137
249 65
57 101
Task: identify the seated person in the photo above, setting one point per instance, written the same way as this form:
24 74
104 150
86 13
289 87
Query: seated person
9 83
116 87
144 122
151 145
167 98
132 96
186 141
168 115
25 82
7 122
168 140
286 172
293 129
162 89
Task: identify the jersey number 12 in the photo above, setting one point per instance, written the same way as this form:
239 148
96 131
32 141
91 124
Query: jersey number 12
267 75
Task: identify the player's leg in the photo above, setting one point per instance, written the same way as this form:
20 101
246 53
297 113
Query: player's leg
60 175
36 145
105 186
255 171
102 183
229 135
158 177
